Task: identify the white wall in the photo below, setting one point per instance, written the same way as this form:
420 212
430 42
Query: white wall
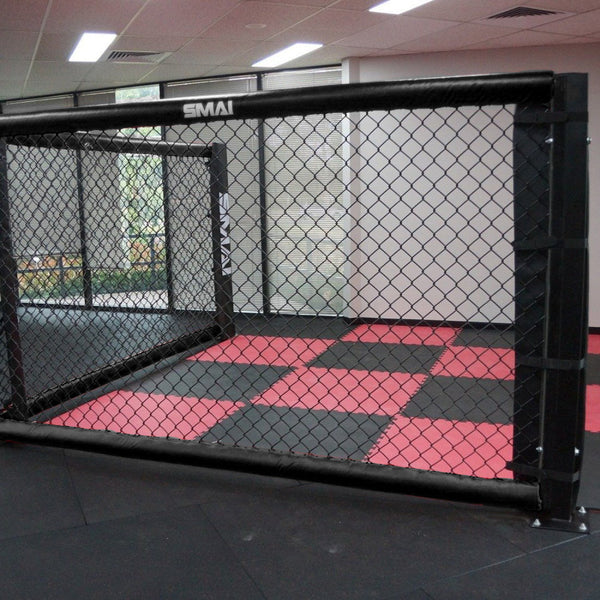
561 59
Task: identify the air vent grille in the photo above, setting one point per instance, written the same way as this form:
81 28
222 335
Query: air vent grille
524 11
123 56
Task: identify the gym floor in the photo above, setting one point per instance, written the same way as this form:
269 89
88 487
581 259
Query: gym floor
81 525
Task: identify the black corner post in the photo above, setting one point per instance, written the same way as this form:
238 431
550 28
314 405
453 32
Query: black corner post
221 240
567 308
551 299
9 291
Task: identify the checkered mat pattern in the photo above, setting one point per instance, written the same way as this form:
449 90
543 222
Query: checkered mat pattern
433 398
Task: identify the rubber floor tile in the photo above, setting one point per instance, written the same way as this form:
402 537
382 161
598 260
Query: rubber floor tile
305 543
265 350
592 408
404 358
291 326
218 381
589 492
314 432
484 338
402 334
368 392
594 343
481 363
139 413
474 449
36 493
463 399
593 368
564 571
113 487
176 554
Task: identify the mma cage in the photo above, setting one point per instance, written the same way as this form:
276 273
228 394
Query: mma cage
379 284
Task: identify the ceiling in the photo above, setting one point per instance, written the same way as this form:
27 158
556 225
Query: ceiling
204 38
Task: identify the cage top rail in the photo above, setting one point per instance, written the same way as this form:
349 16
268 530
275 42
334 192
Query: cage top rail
386 95
104 143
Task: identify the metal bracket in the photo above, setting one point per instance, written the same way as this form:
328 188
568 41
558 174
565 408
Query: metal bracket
578 523
553 364
538 473
548 242
551 117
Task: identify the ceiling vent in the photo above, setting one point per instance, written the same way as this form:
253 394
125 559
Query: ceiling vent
524 17
524 11
142 57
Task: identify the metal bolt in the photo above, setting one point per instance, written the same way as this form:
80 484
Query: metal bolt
588 140
577 452
549 140
536 523
583 527
582 510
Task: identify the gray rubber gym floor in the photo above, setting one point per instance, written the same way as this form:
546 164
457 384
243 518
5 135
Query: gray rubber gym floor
85 526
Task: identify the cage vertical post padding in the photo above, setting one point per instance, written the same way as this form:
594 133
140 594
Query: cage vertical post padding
88 293
9 290
531 228
567 312
168 231
219 215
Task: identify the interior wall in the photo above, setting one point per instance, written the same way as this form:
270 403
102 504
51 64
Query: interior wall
565 58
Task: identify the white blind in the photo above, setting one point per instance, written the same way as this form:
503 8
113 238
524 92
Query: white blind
305 204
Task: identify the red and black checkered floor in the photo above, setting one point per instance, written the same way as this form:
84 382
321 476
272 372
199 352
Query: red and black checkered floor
434 398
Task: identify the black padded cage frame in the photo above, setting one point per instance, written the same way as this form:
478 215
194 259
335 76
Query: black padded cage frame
549 178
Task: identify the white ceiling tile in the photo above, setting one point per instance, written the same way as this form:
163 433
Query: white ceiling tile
93 15
10 89
208 51
454 37
47 87
22 15
186 18
521 38
99 85
59 72
109 72
576 6
318 3
56 46
331 24
257 52
16 45
357 4
274 17
583 24
394 31
174 72
12 70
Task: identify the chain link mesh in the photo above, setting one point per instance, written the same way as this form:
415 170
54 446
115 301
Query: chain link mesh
373 275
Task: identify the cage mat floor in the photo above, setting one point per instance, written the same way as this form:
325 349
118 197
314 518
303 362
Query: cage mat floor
433 398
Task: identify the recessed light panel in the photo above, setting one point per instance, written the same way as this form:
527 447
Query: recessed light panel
286 55
397 7
91 46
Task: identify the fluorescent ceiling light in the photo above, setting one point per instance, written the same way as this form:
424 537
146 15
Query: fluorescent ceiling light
287 54
91 46
397 7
